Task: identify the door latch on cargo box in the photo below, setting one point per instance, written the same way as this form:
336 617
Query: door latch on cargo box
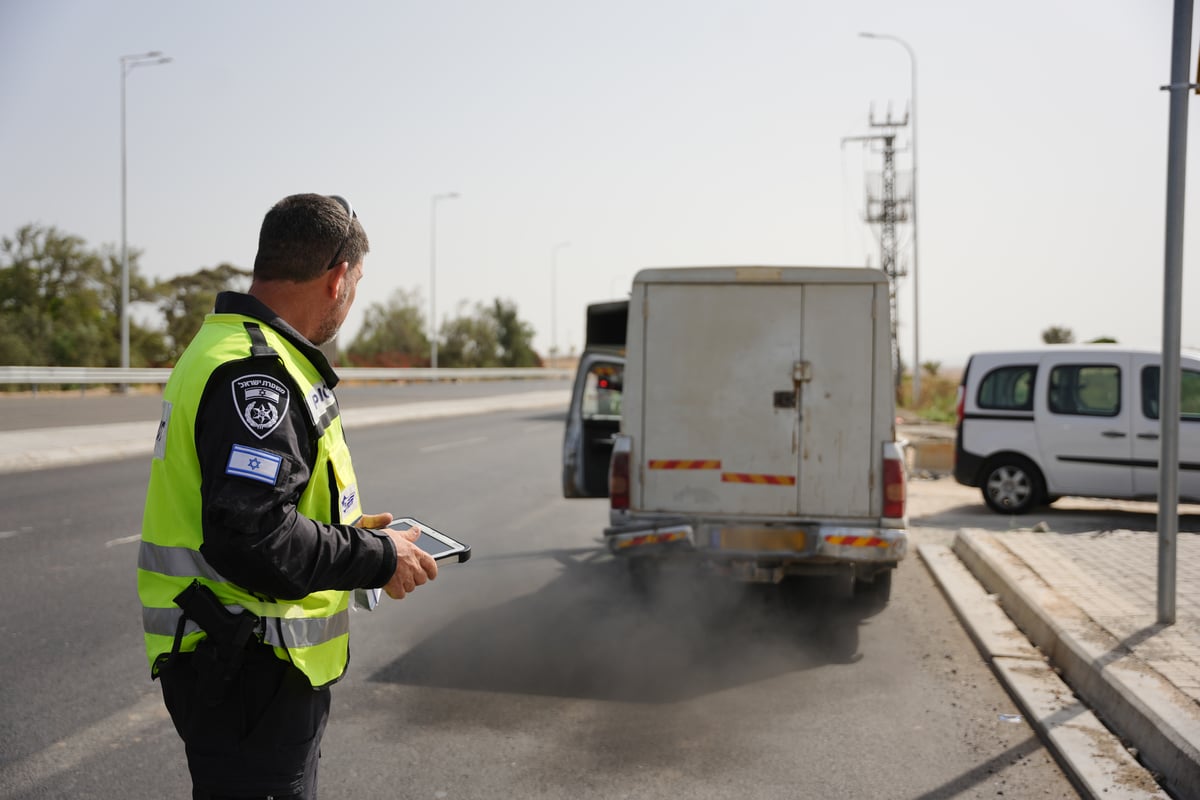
802 371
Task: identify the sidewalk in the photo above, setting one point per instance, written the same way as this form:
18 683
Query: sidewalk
44 448
1088 601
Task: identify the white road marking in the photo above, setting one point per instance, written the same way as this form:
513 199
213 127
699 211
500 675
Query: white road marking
17 532
431 448
123 540
23 777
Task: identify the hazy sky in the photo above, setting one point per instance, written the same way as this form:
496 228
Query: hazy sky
643 132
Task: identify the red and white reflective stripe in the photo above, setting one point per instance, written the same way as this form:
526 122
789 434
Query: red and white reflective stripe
858 541
765 480
651 538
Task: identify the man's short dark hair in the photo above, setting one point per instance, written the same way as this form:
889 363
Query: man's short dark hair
300 237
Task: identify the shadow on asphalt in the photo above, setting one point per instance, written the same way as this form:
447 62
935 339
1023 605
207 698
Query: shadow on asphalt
588 634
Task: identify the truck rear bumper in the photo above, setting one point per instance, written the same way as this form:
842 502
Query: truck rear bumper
814 543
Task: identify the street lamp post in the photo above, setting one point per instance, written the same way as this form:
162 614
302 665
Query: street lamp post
554 298
128 63
916 385
433 201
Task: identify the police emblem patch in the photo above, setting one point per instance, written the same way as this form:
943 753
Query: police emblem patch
261 402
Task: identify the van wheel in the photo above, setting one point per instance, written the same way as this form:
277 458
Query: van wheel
1011 485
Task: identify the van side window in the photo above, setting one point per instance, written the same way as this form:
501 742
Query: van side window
1189 400
602 392
1008 388
1086 389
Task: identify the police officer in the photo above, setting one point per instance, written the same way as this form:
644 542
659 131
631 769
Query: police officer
253 536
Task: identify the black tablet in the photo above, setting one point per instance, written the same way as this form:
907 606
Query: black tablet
437 544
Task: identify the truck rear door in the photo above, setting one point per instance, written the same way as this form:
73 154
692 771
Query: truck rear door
758 399
715 439
594 416
847 359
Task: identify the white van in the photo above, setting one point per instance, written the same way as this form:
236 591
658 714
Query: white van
1035 425
756 425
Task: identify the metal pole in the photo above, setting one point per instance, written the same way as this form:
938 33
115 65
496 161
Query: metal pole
1169 380
554 298
912 57
124 246
153 58
433 345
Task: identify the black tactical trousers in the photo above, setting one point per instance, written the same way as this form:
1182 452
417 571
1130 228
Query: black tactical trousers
261 739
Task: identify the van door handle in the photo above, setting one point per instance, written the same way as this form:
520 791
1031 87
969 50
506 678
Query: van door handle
1114 434
1147 436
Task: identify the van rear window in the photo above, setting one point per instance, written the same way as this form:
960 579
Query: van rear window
1189 390
1008 388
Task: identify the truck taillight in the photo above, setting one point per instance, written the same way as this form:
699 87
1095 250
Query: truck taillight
618 480
894 490
960 403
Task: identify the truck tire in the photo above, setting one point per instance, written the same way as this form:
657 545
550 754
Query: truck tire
643 576
875 593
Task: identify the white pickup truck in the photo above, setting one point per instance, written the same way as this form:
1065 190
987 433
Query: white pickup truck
748 424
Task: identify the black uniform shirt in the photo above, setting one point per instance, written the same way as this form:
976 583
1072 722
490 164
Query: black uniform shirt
253 533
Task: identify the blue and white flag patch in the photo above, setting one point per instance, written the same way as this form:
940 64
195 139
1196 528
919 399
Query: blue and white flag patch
259 465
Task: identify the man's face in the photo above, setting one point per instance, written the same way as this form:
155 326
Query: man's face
336 314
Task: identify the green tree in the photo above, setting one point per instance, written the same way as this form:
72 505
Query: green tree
1102 340
514 336
392 334
185 299
494 336
470 341
60 302
1056 334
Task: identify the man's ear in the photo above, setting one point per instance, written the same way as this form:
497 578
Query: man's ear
332 285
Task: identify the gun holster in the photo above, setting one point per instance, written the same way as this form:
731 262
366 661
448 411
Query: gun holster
219 657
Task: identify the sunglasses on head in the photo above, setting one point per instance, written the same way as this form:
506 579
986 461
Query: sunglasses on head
350 217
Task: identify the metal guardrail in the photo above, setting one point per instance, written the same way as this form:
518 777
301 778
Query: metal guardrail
44 376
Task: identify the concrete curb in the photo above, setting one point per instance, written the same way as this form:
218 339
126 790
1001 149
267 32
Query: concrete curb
1147 711
1092 757
46 448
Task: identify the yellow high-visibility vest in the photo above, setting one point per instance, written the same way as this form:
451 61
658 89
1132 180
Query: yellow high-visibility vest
312 632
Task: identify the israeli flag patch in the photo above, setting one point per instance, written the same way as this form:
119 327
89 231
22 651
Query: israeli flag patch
258 465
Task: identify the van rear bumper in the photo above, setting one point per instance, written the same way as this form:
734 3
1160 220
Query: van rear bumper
760 543
967 465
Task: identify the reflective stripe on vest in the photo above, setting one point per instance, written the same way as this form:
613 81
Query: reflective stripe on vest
280 631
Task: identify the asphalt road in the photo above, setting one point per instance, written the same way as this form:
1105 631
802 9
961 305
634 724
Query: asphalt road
531 671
